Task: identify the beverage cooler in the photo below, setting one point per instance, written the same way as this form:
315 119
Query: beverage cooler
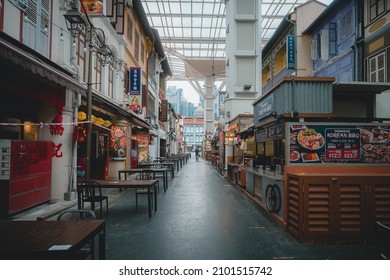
25 175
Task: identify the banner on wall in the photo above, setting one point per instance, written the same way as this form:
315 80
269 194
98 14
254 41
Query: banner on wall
344 143
118 142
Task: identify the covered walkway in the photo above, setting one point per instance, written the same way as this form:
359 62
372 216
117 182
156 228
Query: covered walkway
202 216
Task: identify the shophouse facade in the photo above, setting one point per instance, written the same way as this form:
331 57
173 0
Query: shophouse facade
51 104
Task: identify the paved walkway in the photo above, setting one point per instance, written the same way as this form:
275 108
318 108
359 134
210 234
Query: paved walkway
202 216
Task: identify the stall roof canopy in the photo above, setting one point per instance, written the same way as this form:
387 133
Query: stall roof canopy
345 88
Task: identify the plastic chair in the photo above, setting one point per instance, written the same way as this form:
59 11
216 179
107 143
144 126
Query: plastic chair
75 215
92 192
143 191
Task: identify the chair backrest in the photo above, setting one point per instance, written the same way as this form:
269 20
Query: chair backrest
145 175
76 214
89 188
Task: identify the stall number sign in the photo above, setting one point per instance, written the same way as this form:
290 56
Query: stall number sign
342 144
135 80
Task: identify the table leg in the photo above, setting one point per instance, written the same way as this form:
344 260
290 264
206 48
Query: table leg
102 244
78 199
165 181
149 201
156 185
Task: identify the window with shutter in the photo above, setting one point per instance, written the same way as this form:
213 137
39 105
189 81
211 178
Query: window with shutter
136 46
376 8
346 26
129 29
377 69
314 54
36 26
325 44
332 38
110 81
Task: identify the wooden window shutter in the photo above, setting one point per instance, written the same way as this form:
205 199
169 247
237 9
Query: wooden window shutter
325 44
314 53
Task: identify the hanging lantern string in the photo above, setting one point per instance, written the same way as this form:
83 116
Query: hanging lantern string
41 124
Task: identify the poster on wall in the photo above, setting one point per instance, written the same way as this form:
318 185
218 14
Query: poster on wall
143 146
350 144
117 146
93 7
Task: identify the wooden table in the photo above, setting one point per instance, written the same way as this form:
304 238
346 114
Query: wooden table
49 239
122 174
169 165
149 184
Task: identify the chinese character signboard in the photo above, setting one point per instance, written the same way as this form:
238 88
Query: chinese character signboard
290 52
135 81
135 88
164 110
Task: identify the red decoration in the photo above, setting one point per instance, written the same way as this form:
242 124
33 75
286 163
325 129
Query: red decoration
57 129
56 150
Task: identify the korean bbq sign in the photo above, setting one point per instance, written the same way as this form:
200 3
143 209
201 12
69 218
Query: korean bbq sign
342 144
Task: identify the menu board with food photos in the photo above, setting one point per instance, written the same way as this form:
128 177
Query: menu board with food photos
143 146
118 142
339 143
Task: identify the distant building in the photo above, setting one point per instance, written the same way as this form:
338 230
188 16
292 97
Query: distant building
193 131
179 103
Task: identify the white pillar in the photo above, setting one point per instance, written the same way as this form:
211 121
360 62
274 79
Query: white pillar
243 51
208 104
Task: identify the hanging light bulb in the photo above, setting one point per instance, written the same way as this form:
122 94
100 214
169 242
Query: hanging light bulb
85 48
46 29
61 36
25 17
74 42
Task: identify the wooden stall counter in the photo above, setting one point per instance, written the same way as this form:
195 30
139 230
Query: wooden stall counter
337 205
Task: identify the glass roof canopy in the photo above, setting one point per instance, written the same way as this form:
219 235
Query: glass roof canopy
195 30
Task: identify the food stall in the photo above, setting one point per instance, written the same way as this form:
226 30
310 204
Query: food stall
242 148
324 178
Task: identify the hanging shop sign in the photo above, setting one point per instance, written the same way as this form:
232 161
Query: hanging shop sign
290 52
264 108
344 143
275 131
135 81
164 110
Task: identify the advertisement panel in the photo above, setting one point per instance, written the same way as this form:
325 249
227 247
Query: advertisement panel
118 142
339 143
93 7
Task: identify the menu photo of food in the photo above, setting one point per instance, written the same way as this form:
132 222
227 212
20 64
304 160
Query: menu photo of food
118 142
93 7
375 144
310 139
